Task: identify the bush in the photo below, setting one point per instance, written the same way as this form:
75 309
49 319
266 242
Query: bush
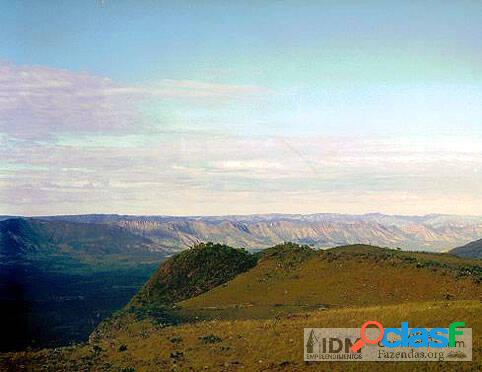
210 339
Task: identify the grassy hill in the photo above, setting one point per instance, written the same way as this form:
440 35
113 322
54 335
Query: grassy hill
212 281
193 272
287 280
471 250
238 310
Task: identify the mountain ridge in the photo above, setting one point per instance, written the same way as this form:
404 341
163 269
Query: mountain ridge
26 236
433 232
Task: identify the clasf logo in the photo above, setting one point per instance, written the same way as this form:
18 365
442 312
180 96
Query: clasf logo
414 337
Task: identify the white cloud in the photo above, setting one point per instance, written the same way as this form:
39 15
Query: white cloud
76 143
39 102
226 174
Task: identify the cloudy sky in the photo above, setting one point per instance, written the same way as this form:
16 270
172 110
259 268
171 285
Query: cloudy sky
152 107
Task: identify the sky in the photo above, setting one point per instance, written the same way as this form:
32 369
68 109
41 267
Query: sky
240 107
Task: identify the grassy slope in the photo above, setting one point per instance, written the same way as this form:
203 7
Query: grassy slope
345 276
288 281
252 345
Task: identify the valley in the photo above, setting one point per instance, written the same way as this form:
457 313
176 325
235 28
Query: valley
58 280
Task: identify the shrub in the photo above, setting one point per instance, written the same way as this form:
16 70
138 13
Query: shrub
210 339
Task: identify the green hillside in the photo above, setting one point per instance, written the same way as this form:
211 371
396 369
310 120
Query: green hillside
182 276
193 272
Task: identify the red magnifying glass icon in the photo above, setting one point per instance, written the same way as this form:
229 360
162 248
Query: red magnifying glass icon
363 339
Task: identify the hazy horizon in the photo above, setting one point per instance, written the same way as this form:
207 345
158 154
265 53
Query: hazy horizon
245 215
180 108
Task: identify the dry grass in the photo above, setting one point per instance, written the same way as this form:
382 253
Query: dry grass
252 345
332 280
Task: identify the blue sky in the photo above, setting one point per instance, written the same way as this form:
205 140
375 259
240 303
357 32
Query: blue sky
240 107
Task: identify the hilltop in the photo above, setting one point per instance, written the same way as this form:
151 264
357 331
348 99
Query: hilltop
473 250
185 275
193 272
288 280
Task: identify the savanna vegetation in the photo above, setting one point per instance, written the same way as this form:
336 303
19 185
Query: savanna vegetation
218 308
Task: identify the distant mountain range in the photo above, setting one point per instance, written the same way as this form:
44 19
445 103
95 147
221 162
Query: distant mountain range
431 232
472 250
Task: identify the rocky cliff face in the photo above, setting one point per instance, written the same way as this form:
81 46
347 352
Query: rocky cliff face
432 232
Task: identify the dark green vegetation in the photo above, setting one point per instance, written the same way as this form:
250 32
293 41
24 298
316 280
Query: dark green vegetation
193 272
233 310
473 250
41 308
59 279
186 275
